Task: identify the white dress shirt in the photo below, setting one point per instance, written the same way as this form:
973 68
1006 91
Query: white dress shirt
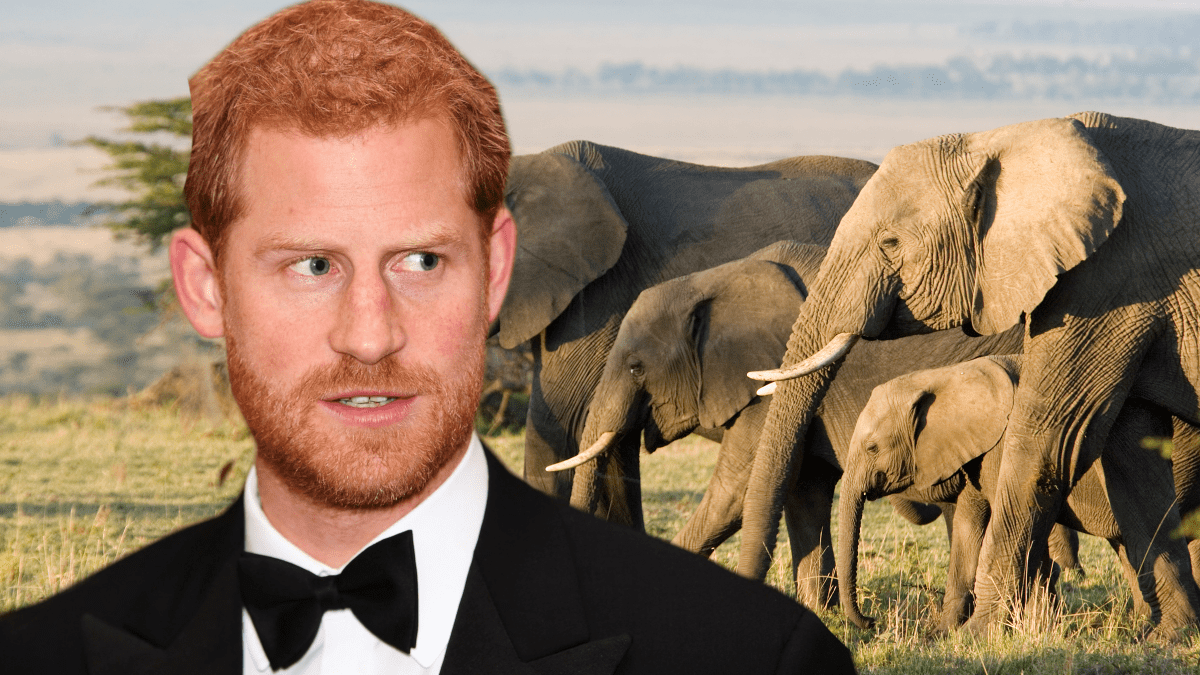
445 528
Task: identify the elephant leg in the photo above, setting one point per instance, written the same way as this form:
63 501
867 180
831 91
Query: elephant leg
546 439
1047 575
1194 555
565 376
719 514
1194 558
807 509
1064 548
1185 467
1072 387
1010 556
948 511
1141 491
969 521
1140 608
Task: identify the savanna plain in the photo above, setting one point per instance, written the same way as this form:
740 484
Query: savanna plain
83 483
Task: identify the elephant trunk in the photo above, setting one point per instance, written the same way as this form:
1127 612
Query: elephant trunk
585 488
780 450
831 314
613 421
850 510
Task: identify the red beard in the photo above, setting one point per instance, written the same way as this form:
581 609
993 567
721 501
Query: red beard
358 468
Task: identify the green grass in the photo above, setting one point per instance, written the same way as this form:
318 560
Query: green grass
85 483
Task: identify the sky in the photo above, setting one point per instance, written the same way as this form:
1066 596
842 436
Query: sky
730 82
708 80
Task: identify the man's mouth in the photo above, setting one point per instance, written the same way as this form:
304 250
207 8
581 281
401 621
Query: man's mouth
366 401
359 408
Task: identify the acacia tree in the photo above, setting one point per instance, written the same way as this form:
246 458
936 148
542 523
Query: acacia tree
153 169
153 172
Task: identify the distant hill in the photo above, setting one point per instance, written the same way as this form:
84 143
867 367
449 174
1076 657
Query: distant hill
44 213
1170 78
1154 58
79 309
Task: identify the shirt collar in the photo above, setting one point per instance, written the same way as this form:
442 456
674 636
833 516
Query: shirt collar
445 529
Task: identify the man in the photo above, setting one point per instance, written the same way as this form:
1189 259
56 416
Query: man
351 245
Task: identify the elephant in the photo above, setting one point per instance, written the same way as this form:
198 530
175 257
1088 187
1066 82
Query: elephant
934 435
1082 229
678 366
596 225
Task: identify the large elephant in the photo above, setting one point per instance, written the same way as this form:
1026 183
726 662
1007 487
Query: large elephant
1088 228
597 225
934 435
678 366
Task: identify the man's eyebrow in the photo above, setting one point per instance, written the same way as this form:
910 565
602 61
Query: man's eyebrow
436 236
283 242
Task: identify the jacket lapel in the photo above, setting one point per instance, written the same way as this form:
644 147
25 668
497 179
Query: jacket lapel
479 642
522 611
151 639
210 643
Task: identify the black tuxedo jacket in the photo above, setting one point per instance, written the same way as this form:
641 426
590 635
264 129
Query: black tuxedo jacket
550 590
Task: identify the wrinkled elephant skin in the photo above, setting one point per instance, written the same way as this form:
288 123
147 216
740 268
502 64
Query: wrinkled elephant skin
596 225
1087 227
934 435
678 366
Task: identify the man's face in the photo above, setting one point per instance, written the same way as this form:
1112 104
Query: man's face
355 302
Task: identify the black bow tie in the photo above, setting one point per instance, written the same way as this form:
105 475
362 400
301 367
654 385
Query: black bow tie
286 602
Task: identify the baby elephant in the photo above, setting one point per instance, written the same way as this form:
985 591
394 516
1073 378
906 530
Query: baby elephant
935 435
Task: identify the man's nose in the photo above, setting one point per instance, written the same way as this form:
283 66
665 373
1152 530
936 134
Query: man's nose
369 326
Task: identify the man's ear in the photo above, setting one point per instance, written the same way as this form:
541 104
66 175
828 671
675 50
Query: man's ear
196 283
503 251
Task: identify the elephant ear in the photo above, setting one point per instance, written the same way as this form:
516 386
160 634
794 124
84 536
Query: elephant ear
804 259
1045 199
961 415
742 324
569 232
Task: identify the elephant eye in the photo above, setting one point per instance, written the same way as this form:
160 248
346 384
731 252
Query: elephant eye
871 448
975 201
636 371
889 244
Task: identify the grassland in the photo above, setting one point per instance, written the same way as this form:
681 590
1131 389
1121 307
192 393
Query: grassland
84 483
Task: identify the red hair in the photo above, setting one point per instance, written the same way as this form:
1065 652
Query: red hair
335 68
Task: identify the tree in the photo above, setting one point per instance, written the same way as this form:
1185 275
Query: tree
153 172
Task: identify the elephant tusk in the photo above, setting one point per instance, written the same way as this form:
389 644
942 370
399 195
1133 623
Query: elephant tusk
591 453
836 349
767 389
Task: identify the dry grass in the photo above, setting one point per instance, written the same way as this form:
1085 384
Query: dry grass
84 483
1090 629
87 482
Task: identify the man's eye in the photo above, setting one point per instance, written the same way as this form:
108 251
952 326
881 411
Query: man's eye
312 267
420 262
